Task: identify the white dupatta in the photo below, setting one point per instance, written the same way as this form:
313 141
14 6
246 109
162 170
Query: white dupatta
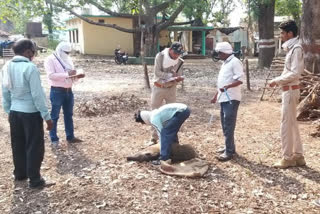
6 77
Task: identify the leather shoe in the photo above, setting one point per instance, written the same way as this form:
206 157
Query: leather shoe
300 161
224 157
283 164
156 162
20 178
221 150
40 184
75 140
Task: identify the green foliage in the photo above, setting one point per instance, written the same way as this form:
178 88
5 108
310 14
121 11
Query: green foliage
126 6
210 11
254 6
53 41
282 8
289 8
22 11
196 9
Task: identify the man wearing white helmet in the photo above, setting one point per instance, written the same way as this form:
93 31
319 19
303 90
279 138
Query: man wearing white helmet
229 96
167 120
61 74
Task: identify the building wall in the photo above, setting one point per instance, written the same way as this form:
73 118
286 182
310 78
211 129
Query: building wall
75 25
99 40
103 41
164 38
41 41
236 38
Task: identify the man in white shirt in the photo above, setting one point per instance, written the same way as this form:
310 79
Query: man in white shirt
229 96
292 151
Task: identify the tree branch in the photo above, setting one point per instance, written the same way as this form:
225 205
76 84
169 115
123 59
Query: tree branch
97 23
183 23
167 23
146 4
162 6
13 8
94 3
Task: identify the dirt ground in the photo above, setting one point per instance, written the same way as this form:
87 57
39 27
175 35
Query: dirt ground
95 177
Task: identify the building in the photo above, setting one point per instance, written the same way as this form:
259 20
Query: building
98 40
34 32
4 35
237 36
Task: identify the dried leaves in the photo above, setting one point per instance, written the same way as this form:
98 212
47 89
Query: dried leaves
101 106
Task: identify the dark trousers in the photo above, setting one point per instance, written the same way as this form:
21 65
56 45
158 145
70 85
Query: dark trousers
27 142
228 116
169 133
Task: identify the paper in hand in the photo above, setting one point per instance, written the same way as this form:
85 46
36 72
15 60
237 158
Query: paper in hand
79 71
172 79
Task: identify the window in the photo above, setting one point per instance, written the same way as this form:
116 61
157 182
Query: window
74 36
70 39
77 36
101 20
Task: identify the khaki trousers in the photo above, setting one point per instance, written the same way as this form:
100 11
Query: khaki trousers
290 136
158 95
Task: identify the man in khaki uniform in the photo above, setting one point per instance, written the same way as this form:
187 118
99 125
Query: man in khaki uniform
292 151
166 77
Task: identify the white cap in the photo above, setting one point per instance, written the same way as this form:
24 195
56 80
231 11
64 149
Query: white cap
145 116
224 47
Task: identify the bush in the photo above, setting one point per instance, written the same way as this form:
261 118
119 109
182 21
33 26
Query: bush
53 41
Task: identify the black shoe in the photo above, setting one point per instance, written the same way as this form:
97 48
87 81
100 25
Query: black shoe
75 140
224 157
40 184
20 178
221 150
156 162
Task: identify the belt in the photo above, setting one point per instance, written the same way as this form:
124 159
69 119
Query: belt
62 88
293 87
160 85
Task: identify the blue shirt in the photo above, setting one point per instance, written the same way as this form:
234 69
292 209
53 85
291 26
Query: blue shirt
164 113
27 94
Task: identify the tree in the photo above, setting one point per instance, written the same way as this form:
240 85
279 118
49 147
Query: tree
210 11
147 14
266 32
22 11
310 34
289 8
17 12
263 11
221 17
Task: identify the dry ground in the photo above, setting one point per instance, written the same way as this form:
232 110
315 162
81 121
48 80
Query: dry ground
94 176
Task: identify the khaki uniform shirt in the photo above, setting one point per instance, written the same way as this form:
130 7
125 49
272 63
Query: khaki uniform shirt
161 74
294 65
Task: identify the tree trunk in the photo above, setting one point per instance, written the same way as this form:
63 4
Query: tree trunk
136 38
150 43
310 34
47 20
266 33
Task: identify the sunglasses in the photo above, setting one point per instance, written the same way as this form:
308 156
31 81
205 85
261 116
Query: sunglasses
66 52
